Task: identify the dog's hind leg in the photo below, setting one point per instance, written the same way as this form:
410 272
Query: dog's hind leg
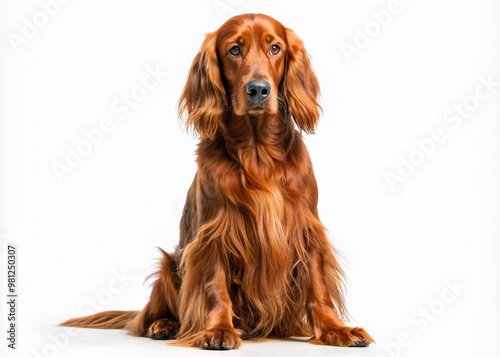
159 318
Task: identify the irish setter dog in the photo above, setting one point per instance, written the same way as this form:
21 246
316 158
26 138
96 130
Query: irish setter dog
253 258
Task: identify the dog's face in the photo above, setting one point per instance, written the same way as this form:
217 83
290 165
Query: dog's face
252 54
251 66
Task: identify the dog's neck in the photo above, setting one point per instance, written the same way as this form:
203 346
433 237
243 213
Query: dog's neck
258 143
264 134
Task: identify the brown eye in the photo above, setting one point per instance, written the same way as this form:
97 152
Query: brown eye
275 49
235 51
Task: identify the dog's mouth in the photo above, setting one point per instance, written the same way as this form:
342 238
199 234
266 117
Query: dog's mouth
256 109
250 107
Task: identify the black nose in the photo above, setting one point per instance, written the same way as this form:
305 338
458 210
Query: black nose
258 90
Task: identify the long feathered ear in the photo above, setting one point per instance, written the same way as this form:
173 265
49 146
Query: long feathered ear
203 98
300 87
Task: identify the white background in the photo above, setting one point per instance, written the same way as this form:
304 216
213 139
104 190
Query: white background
403 248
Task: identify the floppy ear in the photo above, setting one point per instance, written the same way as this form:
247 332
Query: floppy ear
300 87
203 98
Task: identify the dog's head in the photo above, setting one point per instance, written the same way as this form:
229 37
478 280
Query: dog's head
252 65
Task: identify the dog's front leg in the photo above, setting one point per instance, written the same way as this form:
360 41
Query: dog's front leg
220 333
328 328
205 308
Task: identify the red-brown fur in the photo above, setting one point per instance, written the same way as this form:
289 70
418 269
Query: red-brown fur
253 258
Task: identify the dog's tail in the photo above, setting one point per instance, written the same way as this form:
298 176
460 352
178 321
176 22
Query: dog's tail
103 320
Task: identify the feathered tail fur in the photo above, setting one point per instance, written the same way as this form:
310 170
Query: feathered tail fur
103 320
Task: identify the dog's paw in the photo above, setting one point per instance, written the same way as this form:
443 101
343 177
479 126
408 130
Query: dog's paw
163 329
220 339
344 337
